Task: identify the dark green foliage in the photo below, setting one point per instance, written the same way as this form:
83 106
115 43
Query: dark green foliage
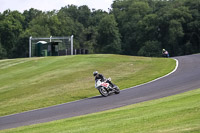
10 29
150 49
109 37
3 53
174 24
133 27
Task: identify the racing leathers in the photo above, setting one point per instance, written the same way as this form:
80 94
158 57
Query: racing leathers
102 78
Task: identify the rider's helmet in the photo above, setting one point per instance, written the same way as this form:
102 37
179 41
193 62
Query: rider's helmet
95 73
163 50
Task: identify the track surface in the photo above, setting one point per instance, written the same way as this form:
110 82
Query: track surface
185 78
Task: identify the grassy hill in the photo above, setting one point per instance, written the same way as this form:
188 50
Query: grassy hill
32 83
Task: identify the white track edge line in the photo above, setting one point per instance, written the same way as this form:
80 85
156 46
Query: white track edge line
177 63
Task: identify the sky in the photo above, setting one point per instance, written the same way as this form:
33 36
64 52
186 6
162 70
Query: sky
49 5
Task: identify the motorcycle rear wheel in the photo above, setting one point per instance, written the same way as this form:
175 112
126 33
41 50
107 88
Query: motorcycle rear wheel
103 91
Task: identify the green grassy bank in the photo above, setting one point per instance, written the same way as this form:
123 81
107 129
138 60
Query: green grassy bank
31 83
174 114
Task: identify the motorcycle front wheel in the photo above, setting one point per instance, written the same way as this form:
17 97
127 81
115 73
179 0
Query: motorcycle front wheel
103 91
117 90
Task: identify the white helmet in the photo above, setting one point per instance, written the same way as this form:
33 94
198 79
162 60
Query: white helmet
95 73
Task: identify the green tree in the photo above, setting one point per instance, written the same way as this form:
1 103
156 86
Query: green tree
96 17
30 15
39 27
3 53
84 15
70 11
53 23
109 38
128 14
70 26
172 28
150 49
90 41
148 29
192 34
10 30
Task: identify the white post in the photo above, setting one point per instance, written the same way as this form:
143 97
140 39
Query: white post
50 38
30 46
66 51
72 44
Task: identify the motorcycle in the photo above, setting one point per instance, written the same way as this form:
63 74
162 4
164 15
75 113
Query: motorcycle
105 88
165 54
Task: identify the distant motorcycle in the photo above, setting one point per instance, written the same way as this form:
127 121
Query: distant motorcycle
165 54
105 88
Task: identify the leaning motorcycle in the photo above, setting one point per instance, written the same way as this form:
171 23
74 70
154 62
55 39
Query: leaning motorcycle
105 88
165 54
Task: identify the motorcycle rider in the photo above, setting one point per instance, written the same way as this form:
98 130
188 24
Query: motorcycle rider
165 53
102 78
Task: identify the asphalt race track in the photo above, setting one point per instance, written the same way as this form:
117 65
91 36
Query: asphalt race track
185 78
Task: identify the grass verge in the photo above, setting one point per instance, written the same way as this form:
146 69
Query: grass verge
175 114
31 83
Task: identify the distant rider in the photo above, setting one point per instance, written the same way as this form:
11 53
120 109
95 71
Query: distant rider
165 53
101 77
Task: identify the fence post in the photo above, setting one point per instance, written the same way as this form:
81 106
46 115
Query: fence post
72 44
50 38
66 51
30 46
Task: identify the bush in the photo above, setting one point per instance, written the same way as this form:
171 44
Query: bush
150 49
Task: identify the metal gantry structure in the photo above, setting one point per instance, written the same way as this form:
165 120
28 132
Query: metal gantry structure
68 38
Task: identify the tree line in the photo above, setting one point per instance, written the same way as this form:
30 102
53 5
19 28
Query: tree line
131 27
